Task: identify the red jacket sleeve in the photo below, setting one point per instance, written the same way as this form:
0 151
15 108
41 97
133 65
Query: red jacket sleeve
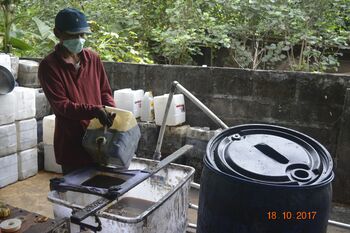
56 95
106 93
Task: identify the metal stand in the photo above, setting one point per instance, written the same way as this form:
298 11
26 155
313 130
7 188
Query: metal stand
176 85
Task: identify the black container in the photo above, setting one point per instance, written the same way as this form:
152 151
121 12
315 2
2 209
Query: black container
265 179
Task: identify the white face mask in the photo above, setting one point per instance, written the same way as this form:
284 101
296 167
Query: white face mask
74 45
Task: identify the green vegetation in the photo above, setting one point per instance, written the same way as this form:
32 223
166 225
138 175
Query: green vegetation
10 37
256 34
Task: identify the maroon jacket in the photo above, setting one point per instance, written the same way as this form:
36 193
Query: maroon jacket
74 97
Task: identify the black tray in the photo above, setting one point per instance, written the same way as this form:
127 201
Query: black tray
102 181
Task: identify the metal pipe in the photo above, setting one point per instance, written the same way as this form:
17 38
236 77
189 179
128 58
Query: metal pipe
62 202
339 224
176 85
200 105
157 154
191 225
192 206
195 185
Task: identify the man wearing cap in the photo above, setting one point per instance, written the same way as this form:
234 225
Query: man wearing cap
76 86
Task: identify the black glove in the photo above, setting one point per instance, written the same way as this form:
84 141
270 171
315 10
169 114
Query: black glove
111 116
104 117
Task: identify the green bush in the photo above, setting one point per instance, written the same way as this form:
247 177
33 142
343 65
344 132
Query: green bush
258 34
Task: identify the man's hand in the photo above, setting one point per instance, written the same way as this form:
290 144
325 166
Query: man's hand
104 117
111 116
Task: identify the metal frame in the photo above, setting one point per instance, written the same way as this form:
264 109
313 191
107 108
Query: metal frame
176 85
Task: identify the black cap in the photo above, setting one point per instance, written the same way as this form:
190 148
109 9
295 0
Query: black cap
71 21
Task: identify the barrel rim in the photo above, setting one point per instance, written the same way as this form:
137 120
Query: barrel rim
328 176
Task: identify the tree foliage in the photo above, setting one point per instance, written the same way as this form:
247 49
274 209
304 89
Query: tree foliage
258 34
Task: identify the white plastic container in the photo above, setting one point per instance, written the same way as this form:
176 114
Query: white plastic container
25 103
129 100
49 153
26 134
8 170
167 192
7 109
42 105
147 107
14 66
28 73
50 160
48 129
5 60
28 66
27 163
8 139
177 113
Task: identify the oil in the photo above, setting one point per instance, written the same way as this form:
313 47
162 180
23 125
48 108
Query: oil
103 181
130 207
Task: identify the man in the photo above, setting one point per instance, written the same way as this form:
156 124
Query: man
76 86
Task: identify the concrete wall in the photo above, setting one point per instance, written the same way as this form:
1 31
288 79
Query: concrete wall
311 103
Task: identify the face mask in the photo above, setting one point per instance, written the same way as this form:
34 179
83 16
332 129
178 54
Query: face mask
74 45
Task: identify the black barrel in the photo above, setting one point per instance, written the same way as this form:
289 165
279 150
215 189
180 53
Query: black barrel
265 179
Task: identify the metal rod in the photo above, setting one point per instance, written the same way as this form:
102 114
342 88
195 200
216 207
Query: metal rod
192 206
157 154
191 225
195 185
62 202
200 105
176 85
339 224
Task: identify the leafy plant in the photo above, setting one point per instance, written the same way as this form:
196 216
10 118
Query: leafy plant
9 38
258 34
268 32
113 47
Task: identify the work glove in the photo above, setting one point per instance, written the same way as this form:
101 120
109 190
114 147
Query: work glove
111 116
104 117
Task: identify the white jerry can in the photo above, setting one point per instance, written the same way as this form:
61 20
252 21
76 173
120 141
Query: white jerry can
177 113
130 100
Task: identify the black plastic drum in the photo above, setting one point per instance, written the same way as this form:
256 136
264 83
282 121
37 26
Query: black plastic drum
265 179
